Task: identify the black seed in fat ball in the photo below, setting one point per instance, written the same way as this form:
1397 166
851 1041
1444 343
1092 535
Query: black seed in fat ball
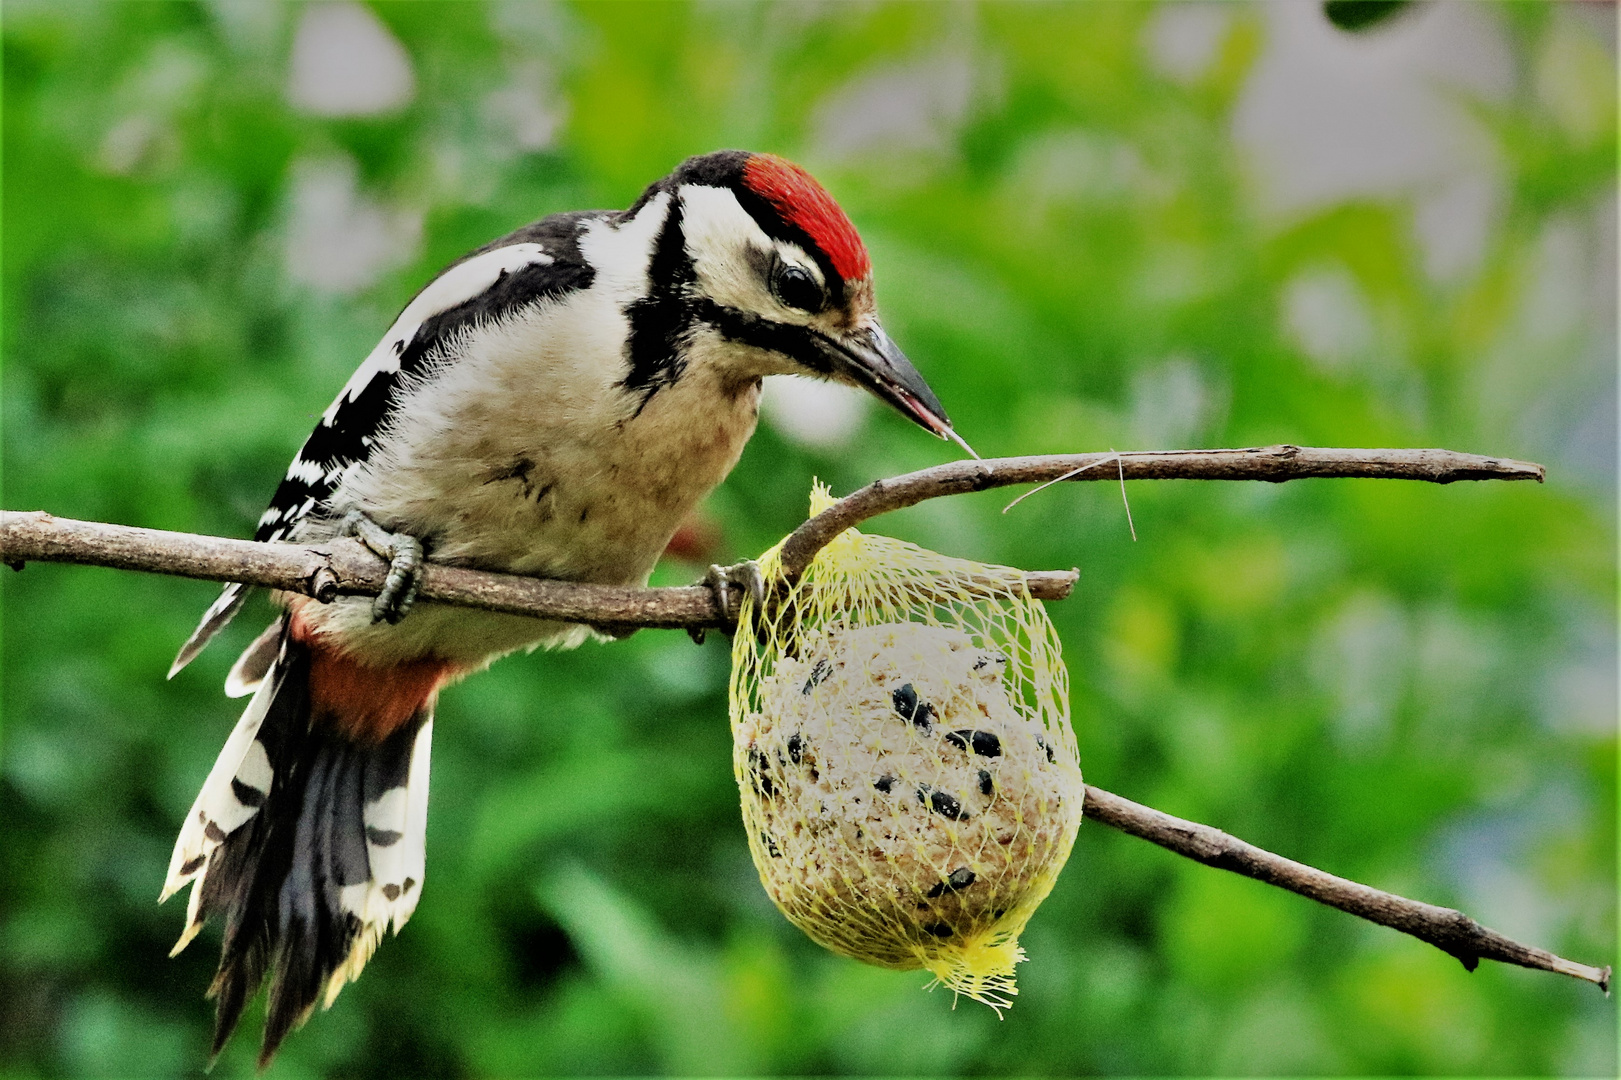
913 711
983 743
960 878
821 671
946 806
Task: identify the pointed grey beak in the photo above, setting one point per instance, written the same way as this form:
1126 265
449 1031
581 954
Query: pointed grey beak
869 358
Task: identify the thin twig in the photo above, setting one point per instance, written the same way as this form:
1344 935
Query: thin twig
1448 930
1055 480
1274 464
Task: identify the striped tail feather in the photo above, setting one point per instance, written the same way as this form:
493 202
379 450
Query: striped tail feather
241 779
309 844
219 613
255 663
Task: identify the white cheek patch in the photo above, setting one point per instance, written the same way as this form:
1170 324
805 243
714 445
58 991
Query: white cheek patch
721 238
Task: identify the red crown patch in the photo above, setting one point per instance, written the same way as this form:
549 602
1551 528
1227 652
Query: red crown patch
801 201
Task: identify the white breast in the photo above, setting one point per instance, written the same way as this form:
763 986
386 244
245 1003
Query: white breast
523 454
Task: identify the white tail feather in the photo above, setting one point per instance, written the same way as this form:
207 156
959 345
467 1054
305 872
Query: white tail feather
217 804
255 663
416 825
194 922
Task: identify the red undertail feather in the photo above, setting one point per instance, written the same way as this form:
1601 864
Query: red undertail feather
365 703
803 202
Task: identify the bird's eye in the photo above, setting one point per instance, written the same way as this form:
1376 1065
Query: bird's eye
796 288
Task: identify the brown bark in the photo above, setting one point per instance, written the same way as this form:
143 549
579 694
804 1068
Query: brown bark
347 568
1273 464
1448 930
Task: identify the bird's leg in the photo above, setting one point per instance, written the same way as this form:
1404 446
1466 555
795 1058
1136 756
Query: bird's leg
404 555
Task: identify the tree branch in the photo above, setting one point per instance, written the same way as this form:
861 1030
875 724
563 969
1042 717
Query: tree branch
1448 930
1274 464
344 567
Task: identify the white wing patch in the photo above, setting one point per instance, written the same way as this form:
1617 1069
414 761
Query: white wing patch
308 471
457 285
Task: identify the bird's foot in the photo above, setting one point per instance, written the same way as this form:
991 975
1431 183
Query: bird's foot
404 555
745 575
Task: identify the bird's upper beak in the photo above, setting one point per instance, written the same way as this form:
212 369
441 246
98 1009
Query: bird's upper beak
868 357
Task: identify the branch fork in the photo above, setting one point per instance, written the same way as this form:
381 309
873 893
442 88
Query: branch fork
345 567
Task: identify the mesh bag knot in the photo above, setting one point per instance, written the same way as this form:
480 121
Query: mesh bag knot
902 747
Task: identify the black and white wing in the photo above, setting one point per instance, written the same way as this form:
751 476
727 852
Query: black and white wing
539 261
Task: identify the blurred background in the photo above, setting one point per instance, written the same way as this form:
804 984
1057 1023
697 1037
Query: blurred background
1102 225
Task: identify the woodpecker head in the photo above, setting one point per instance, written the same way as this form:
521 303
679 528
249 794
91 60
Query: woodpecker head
754 254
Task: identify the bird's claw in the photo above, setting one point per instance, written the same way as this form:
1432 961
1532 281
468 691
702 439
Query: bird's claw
404 555
746 575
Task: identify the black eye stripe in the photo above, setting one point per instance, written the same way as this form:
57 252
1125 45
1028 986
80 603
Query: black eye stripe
797 342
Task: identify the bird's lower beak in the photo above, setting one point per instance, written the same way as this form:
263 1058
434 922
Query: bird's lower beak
869 358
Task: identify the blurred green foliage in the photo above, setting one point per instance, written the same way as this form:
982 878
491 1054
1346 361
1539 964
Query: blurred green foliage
1394 682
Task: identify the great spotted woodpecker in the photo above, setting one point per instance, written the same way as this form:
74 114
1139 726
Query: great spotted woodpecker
553 404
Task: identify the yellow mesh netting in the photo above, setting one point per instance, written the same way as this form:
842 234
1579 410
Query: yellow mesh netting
901 742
